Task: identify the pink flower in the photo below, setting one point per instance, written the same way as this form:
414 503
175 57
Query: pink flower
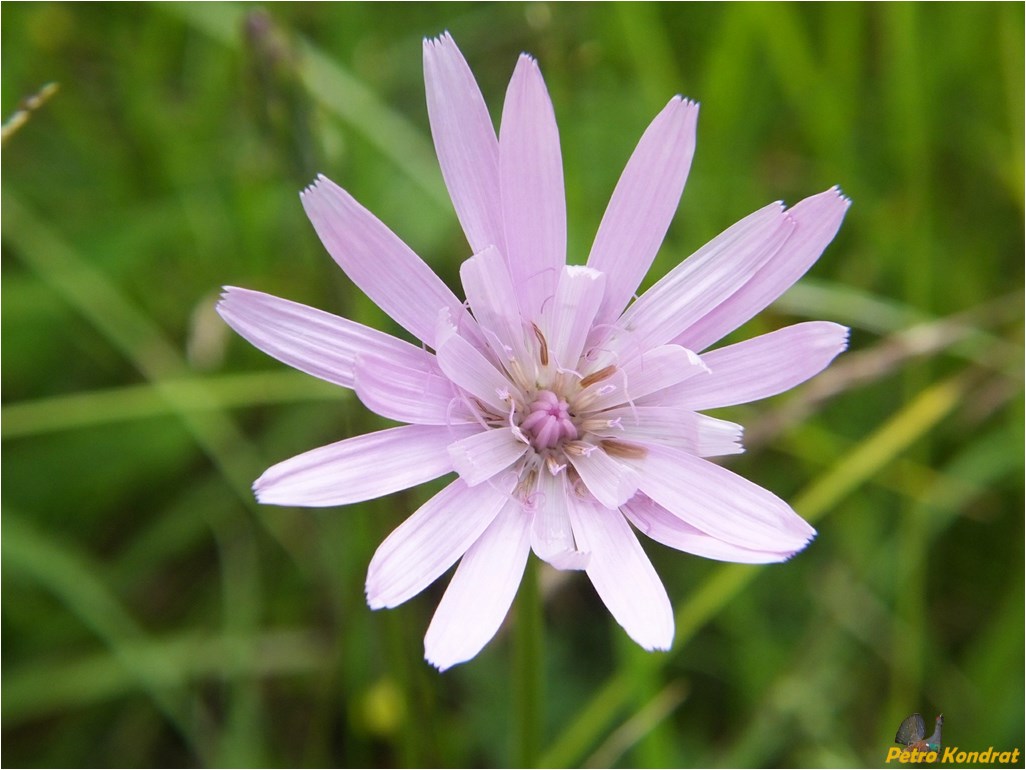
566 417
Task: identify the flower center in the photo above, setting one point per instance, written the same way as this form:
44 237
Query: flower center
548 422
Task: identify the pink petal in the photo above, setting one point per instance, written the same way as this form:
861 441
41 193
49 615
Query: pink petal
481 592
655 370
625 579
818 219
643 204
762 366
493 300
429 542
704 280
361 468
531 179
675 427
611 483
552 535
310 340
376 260
479 457
570 314
662 526
465 142
720 503
467 367
423 396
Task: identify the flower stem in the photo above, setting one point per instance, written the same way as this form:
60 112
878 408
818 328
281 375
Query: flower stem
528 671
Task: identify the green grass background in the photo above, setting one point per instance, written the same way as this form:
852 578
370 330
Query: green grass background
153 614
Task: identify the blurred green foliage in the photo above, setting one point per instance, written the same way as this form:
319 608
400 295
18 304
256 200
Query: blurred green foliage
153 614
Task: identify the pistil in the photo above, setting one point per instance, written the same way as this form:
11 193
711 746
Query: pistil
548 422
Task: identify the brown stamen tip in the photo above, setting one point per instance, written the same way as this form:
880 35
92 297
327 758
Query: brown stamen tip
526 484
621 449
576 448
543 354
553 466
579 487
602 374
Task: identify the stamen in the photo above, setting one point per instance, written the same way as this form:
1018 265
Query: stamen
517 373
504 353
586 400
526 488
578 448
472 407
629 397
617 448
599 337
543 353
554 467
514 428
601 374
506 483
599 424
579 487
534 501
545 301
560 370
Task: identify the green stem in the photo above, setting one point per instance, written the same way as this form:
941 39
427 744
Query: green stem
528 671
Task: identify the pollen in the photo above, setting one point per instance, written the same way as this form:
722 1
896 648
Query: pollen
543 346
616 448
602 374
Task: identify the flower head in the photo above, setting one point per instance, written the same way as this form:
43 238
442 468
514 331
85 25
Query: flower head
567 411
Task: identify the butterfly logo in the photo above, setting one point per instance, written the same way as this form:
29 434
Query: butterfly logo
912 731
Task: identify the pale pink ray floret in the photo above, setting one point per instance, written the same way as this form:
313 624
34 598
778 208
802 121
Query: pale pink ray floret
567 411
